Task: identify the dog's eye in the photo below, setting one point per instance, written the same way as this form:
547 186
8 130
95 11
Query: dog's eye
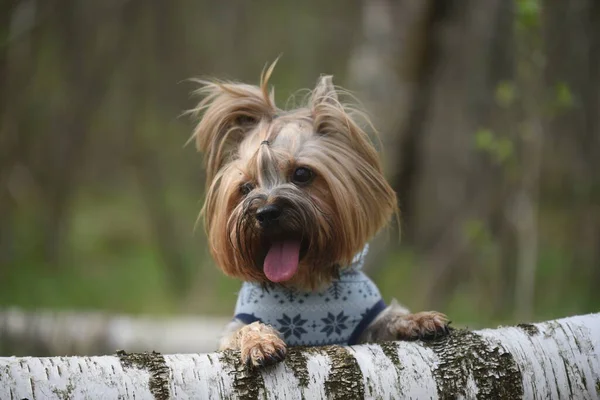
302 175
246 188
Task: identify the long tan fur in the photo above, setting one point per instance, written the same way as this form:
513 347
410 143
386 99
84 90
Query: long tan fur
251 149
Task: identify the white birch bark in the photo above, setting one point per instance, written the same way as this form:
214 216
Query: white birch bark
550 360
75 333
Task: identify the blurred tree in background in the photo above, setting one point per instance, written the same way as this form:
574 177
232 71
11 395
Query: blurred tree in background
488 111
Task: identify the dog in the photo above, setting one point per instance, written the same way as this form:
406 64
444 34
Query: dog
292 199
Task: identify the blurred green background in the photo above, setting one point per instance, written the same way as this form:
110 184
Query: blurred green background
488 112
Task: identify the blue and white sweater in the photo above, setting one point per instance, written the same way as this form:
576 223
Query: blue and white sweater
338 314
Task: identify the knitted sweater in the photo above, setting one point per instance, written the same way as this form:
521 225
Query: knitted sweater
338 314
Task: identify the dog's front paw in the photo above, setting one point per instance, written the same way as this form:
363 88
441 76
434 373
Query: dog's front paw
423 325
260 345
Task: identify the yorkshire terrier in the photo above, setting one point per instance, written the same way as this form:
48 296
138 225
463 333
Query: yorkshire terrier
292 198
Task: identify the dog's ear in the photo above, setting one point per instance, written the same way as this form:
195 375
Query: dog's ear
324 92
228 112
338 121
325 106
330 116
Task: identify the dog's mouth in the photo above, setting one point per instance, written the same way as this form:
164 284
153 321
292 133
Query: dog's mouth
282 258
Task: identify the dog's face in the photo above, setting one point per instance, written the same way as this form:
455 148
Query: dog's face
291 195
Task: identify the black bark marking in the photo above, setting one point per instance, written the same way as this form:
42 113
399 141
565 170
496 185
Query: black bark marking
567 373
32 388
345 380
390 349
155 364
296 361
66 393
466 353
247 381
530 329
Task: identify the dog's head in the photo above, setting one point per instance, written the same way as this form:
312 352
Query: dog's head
291 195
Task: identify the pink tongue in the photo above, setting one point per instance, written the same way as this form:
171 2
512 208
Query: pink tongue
282 259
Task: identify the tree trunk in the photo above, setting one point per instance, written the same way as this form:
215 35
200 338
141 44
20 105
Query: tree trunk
382 70
556 359
443 182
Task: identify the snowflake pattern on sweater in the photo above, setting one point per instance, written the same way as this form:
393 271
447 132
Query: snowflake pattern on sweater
338 314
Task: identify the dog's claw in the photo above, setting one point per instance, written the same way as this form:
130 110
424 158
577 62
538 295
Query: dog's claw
271 359
429 325
260 346
266 360
433 335
281 354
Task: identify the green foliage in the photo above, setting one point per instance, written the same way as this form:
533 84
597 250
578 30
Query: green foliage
476 231
563 96
404 277
506 93
528 13
396 278
484 139
501 149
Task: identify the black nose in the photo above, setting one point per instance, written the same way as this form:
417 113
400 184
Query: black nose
267 214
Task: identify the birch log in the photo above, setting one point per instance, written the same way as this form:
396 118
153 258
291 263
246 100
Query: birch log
49 332
550 360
